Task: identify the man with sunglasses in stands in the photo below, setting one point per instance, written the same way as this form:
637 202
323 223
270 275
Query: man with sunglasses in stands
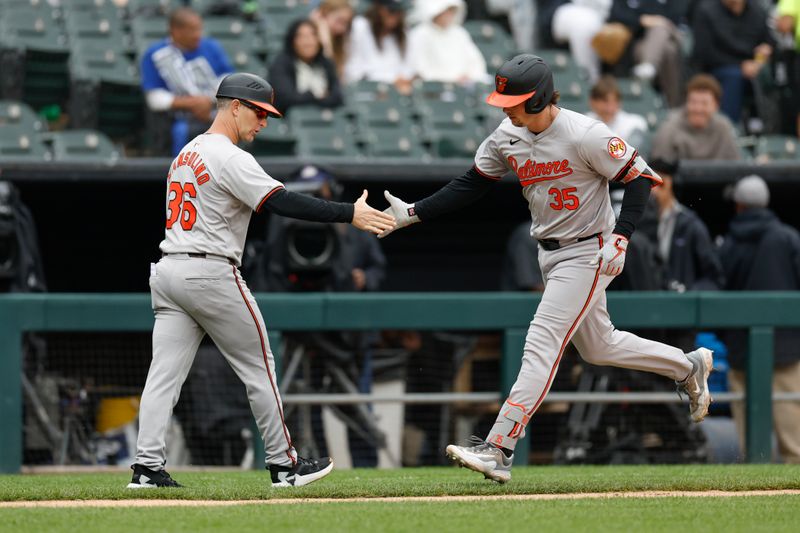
213 187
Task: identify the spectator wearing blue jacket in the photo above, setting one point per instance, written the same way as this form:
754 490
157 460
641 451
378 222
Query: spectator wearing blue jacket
181 74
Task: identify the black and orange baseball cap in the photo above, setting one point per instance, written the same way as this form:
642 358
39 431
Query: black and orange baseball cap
523 78
254 89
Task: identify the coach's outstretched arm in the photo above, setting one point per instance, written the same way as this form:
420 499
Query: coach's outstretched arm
459 193
359 214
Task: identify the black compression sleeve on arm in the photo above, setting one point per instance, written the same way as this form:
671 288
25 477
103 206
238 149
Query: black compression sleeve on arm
305 207
633 203
460 192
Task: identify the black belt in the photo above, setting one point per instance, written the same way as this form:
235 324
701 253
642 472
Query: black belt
202 256
552 244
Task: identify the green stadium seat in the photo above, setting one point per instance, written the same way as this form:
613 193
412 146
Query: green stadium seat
495 53
81 146
232 32
440 91
316 117
640 94
278 22
276 140
18 145
326 142
93 8
445 115
383 115
14 114
152 8
777 148
395 142
557 59
488 31
366 91
299 8
456 143
88 25
146 31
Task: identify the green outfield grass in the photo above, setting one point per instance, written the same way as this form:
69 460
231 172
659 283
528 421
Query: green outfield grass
768 514
410 482
681 514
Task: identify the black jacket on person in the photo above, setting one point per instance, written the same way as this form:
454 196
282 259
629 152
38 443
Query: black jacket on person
693 261
283 77
723 39
760 253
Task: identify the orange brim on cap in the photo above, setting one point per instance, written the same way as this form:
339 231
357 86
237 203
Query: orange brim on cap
269 108
507 100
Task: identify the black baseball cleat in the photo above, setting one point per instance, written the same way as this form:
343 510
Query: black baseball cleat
303 472
144 478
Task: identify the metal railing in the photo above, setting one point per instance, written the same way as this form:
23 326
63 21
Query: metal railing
510 313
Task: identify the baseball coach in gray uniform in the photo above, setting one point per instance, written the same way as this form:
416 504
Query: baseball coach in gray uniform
213 187
564 162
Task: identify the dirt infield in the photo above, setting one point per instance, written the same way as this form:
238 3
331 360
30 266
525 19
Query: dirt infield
288 501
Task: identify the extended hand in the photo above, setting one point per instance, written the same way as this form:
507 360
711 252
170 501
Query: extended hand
402 212
611 256
368 219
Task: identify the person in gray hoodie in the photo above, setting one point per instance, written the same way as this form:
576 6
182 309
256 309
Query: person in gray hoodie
760 253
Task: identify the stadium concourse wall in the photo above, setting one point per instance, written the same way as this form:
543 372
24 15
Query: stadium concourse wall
510 313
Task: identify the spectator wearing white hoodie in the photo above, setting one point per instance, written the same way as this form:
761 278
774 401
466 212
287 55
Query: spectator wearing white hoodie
440 49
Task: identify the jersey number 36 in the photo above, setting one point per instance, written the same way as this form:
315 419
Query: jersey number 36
180 207
564 198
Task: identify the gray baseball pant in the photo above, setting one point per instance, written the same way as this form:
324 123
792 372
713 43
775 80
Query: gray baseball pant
191 297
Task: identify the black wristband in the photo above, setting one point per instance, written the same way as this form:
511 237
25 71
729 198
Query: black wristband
634 201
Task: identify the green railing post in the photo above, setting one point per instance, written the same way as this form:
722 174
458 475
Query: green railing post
10 395
758 400
513 345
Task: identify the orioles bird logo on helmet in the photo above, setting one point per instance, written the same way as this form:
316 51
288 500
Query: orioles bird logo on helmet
500 81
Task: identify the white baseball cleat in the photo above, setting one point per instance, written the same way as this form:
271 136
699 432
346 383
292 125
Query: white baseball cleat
696 385
484 458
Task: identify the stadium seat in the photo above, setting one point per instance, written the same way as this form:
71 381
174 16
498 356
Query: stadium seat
278 22
146 31
93 8
90 25
243 58
315 117
557 59
641 95
326 142
777 148
382 115
276 140
488 31
445 115
395 142
495 54
373 91
19 145
81 146
456 143
440 91
105 93
299 8
151 8
14 114
34 56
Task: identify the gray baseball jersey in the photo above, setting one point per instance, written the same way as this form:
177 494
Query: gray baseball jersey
564 172
213 188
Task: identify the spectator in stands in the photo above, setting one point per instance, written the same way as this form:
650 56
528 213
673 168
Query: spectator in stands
733 43
378 48
760 253
698 130
333 19
656 42
181 74
521 270
301 74
439 47
576 23
684 244
788 27
605 100
521 18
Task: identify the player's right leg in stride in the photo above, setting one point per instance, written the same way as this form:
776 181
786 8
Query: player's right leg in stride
696 385
303 472
483 457
144 478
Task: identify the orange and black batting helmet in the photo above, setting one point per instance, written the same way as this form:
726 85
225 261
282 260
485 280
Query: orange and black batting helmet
251 88
523 78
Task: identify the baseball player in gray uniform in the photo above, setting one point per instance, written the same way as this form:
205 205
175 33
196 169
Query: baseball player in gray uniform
212 189
564 162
